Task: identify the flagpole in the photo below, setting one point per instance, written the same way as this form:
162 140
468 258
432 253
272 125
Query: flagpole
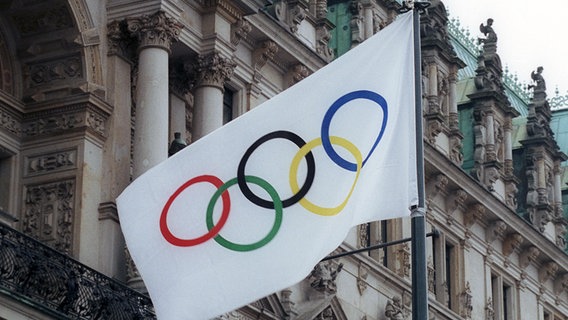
418 227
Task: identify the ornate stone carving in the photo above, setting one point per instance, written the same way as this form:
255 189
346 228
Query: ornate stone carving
357 28
403 258
323 36
436 186
263 53
239 31
76 116
322 278
395 310
50 162
132 274
433 129
456 146
431 275
58 70
289 12
547 271
296 14
96 122
48 213
10 122
496 230
466 305
561 284
363 273
560 228
511 191
53 124
474 214
156 30
528 255
363 233
297 73
511 243
287 304
455 202
213 70
489 312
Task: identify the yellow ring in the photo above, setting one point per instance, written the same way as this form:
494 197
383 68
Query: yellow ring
308 205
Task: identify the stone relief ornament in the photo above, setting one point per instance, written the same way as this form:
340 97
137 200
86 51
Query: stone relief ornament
323 276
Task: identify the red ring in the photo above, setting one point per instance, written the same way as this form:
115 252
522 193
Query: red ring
168 235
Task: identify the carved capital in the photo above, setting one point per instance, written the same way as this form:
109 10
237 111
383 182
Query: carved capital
213 70
156 30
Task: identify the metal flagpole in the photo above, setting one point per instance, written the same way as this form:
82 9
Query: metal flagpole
418 227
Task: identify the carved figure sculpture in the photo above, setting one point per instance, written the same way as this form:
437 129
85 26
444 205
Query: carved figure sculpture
487 30
394 309
540 84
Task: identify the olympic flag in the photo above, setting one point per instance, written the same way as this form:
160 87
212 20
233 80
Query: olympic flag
251 208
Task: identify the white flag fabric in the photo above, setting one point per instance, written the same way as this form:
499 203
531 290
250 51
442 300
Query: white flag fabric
251 208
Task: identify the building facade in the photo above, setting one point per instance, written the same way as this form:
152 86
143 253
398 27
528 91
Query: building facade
92 94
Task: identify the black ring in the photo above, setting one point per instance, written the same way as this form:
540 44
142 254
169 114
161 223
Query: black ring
297 140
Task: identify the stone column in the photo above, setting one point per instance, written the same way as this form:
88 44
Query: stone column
433 79
508 142
490 147
453 105
155 34
368 18
212 72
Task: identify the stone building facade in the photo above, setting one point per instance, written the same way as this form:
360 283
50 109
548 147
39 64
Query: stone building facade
93 92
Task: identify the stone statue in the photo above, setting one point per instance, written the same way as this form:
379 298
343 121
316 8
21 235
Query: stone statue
394 309
540 84
177 144
487 30
324 275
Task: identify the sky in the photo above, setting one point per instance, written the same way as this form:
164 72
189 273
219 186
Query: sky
530 34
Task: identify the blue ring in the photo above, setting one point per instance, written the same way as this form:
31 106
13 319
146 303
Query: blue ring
360 94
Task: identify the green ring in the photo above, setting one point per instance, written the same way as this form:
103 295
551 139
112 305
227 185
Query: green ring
277 221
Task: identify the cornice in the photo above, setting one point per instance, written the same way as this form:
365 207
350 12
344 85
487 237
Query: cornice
496 209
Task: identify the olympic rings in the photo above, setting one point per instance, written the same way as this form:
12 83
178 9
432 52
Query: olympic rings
299 193
362 94
308 205
212 231
276 203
